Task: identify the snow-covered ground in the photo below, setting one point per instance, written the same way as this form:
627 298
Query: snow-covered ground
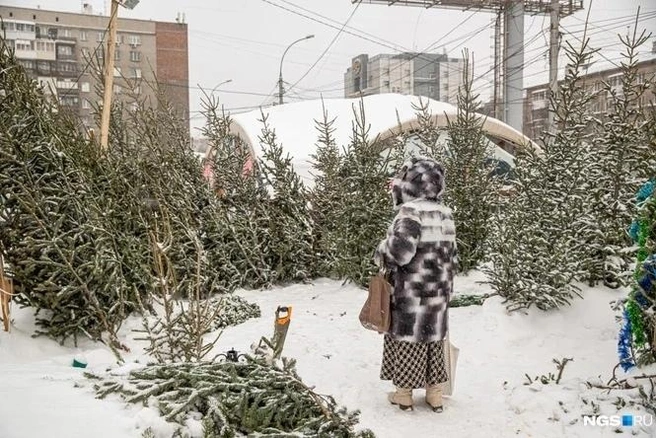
44 396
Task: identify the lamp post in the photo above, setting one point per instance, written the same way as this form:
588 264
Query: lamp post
109 70
280 88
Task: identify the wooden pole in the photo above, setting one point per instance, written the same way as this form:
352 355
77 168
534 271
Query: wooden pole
553 58
6 292
109 77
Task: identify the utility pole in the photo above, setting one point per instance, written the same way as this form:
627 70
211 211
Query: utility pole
513 67
109 77
496 100
109 70
281 91
553 57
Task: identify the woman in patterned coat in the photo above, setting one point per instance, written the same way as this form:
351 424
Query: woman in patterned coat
420 253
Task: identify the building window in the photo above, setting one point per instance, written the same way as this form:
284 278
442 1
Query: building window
136 73
117 55
66 33
68 100
27 64
83 35
85 87
24 45
117 71
117 89
67 67
135 40
85 104
100 36
85 52
65 51
135 56
44 66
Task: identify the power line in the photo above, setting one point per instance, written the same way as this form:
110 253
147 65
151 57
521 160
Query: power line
390 43
620 22
415 55
378 42
327 48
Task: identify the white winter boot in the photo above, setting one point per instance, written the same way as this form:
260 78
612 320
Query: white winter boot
402 397
434 398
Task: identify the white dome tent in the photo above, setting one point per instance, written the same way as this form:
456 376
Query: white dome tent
296 128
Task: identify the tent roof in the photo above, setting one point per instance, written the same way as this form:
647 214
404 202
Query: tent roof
295 124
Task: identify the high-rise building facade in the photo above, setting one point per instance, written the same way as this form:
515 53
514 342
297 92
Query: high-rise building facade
422 74
536 101
61 50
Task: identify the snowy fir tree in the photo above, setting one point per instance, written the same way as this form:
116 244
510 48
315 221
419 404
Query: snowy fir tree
290 231
237 236
49 235
325 196
76 228
356 206
624 156
538 246
472 188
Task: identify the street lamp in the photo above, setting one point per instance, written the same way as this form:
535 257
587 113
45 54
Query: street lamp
219 84
280 89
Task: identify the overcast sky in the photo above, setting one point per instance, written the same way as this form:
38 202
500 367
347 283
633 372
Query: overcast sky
243 40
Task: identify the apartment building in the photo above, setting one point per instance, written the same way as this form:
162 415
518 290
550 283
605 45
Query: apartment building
421 74
61 50
536 101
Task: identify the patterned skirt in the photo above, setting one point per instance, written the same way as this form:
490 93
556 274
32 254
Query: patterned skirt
413 364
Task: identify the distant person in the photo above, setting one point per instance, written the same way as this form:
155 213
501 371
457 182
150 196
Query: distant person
420 254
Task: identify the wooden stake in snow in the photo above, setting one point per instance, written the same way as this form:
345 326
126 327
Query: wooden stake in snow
6 292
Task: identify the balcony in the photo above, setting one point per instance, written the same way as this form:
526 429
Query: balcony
45 50
67 69
25 54
46 68
19 30
66 52
67 86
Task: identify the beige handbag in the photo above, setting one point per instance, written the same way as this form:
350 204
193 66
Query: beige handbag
451 353
375 314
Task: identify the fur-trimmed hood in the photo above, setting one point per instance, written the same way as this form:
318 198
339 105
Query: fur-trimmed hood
419 178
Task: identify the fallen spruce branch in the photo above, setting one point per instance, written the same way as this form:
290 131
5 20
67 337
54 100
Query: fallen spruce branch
250 398
545 379
468 300
615 383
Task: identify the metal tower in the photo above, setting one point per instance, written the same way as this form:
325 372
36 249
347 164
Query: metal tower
508 44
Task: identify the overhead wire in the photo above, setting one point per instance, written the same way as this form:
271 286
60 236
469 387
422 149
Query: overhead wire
332 42
345 28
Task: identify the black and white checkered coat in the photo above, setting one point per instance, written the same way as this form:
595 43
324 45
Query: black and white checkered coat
420 250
